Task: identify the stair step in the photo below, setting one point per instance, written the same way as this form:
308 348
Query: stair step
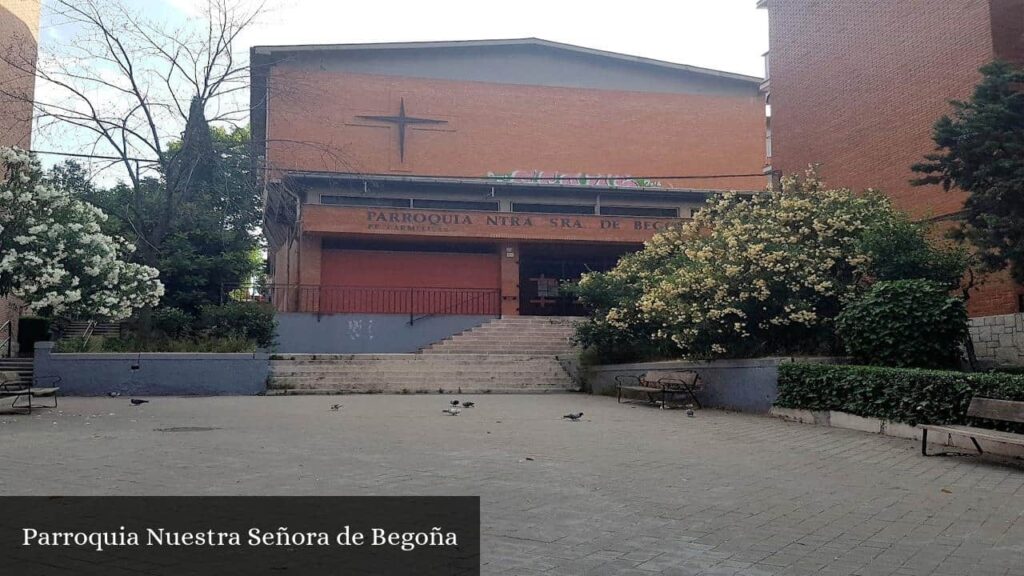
21 366
417 373
518 334
339 392
429 382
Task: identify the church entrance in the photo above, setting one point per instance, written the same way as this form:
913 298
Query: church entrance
545 269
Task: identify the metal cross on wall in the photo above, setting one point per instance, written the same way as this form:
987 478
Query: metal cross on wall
401 121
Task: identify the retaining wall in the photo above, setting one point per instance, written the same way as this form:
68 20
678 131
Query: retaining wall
153 373
306 333
999 340
747 385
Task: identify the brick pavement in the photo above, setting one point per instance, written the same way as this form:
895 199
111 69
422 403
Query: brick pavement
628 491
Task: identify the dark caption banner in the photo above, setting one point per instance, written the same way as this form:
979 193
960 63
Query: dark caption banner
182 536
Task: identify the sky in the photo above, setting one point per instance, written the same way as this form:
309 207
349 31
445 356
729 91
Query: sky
729 35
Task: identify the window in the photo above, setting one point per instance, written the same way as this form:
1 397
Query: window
455 205
639 211
364 201
553 208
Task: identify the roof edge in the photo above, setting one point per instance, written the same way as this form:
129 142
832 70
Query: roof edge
495 182
267 50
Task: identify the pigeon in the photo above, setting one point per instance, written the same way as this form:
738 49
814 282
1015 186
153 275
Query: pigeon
334 407
137 401
468 404
574 417
689 412
454 402
452 411
113 394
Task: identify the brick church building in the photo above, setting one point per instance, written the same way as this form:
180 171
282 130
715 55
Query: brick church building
19 36
441 183
857 86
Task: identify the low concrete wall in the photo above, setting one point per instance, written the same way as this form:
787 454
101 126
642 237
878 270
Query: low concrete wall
747 385
836 419
153 374
999 340
299 333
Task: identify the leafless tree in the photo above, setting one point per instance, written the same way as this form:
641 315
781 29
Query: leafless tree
127 85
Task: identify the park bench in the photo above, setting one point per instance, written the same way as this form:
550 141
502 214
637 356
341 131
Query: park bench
21 393
661 387
989 408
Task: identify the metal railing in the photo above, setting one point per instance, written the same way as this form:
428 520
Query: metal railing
417 302
89 328
7 342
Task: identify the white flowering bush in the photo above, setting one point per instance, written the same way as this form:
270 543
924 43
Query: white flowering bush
54 256
748 275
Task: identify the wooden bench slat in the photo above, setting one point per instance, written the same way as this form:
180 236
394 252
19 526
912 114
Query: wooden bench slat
1005 410
44 391
983 433
641 388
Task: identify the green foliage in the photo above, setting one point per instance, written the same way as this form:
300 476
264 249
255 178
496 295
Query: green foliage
1019 370
911 323
616 331
208 234
907 395
160 344
172 322
900 249
217 328
55 258
749 275
252 320
981 151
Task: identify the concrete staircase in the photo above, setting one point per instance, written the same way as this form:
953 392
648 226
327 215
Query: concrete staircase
417 374
506 355
512 335
77 329
23 366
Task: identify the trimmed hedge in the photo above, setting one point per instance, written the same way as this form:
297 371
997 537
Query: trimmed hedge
908 395
905 323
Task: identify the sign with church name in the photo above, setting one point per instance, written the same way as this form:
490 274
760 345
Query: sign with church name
337 219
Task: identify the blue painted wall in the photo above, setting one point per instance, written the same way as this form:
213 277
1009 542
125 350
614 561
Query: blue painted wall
365 333
747 385
153 374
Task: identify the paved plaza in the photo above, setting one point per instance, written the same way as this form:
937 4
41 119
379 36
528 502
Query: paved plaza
629 490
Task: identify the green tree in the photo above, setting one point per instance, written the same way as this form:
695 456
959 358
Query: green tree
212 239
54 255
905 323
980 149
749 275
901 249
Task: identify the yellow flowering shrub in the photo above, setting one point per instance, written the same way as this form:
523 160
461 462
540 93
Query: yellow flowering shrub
749 275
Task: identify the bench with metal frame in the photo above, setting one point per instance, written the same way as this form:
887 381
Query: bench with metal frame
684 382
988 408
12 387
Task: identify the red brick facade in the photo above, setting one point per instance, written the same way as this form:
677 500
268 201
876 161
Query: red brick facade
19 31
856 87
487 109
499 128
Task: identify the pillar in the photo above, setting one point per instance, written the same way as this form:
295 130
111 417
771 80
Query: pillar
308 290
509 254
